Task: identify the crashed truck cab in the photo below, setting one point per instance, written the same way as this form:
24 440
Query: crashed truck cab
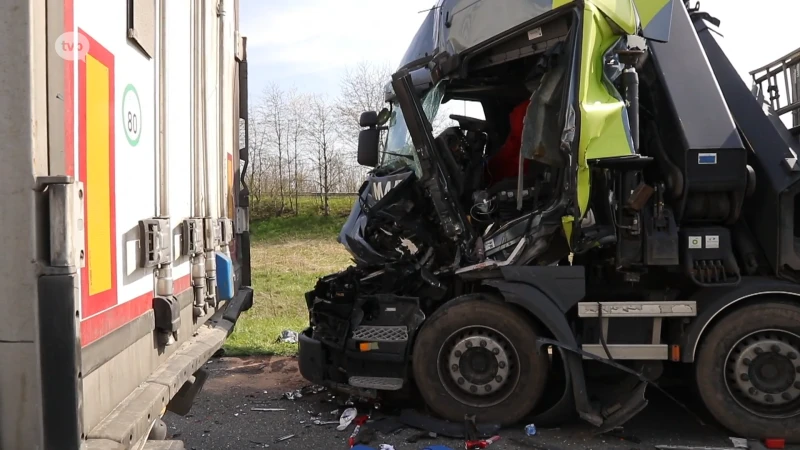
598 220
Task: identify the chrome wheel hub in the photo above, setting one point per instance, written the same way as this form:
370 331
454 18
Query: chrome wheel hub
763 373
479 365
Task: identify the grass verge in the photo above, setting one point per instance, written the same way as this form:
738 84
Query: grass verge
288 255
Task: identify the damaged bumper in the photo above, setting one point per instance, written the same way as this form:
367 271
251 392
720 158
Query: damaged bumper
312 357
360 341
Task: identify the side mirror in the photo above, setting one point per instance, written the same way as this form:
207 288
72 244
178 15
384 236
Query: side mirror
368 141
368 119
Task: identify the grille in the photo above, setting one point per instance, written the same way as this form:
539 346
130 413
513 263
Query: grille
381 334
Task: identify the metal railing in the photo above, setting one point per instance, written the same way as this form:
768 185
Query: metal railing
782 80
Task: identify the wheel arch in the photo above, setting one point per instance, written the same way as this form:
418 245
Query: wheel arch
720 303
544 310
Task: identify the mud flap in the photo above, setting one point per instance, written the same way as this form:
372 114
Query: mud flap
182 402
614 416
621 411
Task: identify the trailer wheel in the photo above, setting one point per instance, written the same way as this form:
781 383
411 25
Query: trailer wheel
748 371
477 355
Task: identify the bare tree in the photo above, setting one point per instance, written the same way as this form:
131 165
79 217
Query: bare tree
322 134
361 89
275 102
298 110
259 160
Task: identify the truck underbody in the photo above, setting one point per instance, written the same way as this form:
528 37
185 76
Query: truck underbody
651 224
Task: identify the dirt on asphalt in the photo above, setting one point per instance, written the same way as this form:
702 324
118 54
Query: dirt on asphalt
222 418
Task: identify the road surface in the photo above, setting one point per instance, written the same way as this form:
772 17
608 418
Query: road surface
222 418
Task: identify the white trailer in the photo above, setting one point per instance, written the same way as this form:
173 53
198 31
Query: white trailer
123 219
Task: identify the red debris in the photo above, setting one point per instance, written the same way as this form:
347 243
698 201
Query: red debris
775 443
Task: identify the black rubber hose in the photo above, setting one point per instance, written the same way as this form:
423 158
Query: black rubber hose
630 80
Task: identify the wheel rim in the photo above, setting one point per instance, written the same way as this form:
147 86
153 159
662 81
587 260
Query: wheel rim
762 373
478 366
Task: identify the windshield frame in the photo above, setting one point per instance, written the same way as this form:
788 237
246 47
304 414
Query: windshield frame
399 150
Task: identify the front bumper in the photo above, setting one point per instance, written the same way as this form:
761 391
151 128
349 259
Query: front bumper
312 358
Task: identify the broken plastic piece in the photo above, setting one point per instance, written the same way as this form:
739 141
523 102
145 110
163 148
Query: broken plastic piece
293 395
289 337
739 442
359 421
530 430
347 417
285 438
386 447
325 422
775 443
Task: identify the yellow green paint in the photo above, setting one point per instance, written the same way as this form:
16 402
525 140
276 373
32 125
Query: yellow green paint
621 12
603 133
560 3
648 9
566 223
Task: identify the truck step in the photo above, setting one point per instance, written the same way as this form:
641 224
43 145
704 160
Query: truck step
639 309
373 333
380 383
164 445
658 352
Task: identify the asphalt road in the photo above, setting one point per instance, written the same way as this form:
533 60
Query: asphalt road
222 418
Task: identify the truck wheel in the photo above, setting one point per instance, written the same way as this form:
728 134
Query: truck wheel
477 355
748 371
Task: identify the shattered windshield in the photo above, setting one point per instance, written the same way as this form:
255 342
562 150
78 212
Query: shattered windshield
399 147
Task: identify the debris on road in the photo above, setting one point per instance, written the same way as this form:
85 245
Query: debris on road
267 409
688 447
775 443
359 421
328 422
442 427
285 438
481 443
304 391
386 447
293 395
288 337
420 436
387 425
347 417
739 442
530 430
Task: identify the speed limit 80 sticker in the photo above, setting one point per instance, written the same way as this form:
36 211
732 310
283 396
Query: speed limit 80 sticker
131 115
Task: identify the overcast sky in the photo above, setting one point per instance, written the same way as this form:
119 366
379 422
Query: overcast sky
307 44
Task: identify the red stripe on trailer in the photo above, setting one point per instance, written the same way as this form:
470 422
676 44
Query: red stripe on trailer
97 326
98 182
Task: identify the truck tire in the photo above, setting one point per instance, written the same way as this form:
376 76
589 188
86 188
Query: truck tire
748 371
477 355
